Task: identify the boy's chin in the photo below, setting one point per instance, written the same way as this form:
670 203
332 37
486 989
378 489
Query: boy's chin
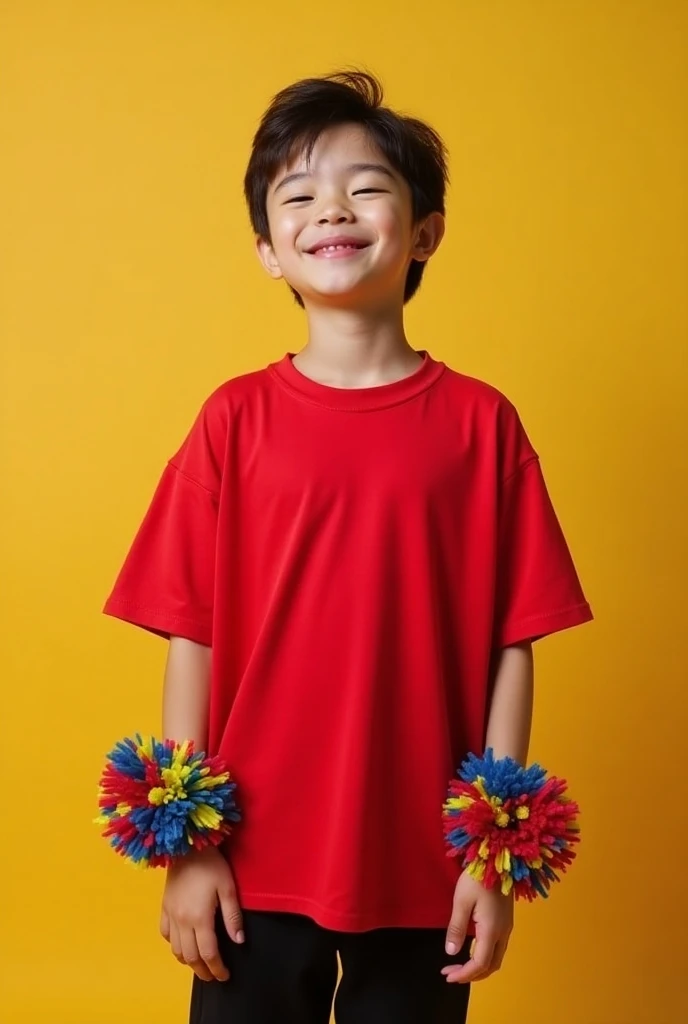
344 296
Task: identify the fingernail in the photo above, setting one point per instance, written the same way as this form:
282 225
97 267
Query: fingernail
451 949
240 937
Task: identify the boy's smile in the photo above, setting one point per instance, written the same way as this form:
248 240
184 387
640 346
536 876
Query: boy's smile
337 247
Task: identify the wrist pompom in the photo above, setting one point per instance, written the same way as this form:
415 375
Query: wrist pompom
160 800
514 828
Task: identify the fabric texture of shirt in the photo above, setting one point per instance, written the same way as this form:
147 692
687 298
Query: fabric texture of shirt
356 559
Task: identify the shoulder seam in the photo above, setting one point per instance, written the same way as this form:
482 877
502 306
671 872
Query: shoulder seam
191 479
524 465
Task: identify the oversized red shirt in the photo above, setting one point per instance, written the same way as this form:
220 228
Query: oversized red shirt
355 558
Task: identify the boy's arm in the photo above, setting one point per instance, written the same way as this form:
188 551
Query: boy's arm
508 733
511 707
186 692
199 882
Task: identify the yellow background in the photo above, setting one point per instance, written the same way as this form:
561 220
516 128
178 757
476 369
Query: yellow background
129 291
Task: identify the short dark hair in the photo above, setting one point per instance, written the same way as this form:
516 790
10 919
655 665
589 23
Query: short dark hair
299 114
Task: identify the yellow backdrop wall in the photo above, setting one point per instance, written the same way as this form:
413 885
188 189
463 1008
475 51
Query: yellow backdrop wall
129 291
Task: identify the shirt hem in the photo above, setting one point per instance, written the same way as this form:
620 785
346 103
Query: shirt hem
343 921
536 627
158 621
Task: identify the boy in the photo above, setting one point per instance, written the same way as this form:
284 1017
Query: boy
351 555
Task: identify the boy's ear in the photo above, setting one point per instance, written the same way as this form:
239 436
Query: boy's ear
429 234
266 255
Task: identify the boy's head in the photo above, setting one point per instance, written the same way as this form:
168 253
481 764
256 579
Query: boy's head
346 197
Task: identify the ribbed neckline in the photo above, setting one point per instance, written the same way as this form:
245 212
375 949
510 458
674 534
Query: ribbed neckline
358 399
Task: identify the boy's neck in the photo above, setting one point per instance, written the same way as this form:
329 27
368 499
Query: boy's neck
346 349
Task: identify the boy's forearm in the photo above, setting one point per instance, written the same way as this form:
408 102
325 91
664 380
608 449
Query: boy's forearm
186 692
511 708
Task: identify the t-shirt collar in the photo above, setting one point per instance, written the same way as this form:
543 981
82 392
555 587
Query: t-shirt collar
358 399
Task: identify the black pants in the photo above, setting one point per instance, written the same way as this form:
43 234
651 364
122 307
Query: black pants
286 973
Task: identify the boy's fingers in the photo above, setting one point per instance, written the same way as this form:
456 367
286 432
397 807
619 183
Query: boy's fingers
231 914
209 952
190 955
458 926
479 963
176 943
499 954
165 925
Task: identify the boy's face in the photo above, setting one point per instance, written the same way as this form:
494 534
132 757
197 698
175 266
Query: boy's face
341 225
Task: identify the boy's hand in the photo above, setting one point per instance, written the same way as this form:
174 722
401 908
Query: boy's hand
195 886
493 914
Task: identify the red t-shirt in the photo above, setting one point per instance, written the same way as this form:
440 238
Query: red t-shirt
355 558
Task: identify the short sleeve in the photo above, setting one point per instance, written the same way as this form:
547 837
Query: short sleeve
538 588
166 584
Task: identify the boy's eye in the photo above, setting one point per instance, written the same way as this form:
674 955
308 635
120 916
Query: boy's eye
297 199
368 191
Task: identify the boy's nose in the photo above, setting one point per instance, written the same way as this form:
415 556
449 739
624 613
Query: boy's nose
335 214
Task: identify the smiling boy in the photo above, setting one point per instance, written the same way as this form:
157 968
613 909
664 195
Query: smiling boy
350 555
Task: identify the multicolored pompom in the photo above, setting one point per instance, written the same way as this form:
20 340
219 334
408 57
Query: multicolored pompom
513 827
160 800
